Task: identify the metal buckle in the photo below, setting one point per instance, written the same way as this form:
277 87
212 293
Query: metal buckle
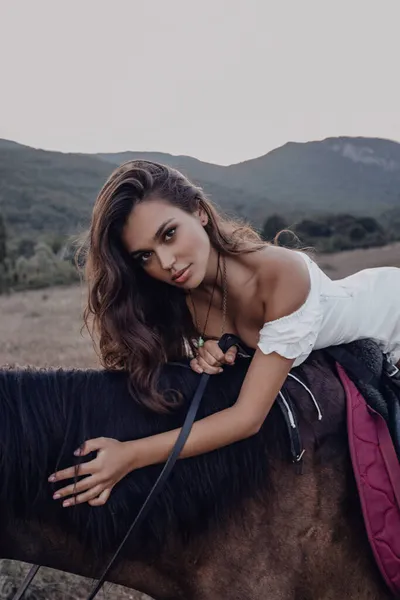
300 456
298 463
394 370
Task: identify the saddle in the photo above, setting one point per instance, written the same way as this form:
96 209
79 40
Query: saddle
373 423
372 388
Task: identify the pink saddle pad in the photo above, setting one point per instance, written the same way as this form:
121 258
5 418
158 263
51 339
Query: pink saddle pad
377 472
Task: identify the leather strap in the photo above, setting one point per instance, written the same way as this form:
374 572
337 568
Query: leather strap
289 415
225 343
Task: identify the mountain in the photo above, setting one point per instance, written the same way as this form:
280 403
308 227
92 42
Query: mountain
358 175
186 164
43 191
361 175
10 145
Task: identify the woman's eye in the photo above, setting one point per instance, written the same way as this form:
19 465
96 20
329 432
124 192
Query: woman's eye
145 257
169 234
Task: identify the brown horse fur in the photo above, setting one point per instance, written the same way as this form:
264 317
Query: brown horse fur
237 524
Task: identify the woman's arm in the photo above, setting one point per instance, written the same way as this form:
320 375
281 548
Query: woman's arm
116 459
262 383
284 285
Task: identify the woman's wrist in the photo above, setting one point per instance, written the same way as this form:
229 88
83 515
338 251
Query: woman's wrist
133 455
144 452
212 432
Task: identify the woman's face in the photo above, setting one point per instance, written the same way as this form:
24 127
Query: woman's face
168 243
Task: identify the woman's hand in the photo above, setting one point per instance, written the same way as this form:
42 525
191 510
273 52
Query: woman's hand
210 358
112 463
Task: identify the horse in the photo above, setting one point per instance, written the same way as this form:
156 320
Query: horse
239 522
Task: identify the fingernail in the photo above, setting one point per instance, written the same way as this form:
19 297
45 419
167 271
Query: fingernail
52 478
66 503
220 371
77 452
56 496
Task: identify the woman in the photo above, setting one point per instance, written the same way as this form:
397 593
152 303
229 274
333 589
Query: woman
165 270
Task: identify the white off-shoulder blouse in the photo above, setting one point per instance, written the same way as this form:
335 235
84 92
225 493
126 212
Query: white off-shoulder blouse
363 305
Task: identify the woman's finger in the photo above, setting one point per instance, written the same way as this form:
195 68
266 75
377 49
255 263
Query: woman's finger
200 365
91 446
75 488
210 358
83 469
102 498
211 349
208 368
230 355
211 346
85 497
195 366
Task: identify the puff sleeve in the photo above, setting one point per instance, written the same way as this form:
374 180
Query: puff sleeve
294 335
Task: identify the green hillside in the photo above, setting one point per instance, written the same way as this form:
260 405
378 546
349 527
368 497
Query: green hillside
356 175
52 192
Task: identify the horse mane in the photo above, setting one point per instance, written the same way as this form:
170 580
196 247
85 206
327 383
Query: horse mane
45 414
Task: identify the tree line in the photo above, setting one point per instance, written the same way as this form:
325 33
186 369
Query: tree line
34 264
329 233
30 264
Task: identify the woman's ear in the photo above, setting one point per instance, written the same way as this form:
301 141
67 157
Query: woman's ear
203 216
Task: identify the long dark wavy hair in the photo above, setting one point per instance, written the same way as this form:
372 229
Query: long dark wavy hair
141 322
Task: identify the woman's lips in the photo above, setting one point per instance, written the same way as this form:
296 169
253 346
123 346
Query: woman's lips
183 276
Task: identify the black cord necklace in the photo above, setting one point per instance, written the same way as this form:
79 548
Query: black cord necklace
200 341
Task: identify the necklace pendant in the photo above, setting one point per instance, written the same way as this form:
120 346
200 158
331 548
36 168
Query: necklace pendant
200 342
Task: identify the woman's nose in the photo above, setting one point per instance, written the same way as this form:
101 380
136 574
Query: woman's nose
167 260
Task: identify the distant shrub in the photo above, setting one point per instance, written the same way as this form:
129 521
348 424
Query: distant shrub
31 265
333 233
273 225
43 269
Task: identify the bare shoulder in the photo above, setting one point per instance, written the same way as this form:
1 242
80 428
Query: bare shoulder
283 281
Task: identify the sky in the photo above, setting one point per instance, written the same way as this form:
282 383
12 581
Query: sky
221 80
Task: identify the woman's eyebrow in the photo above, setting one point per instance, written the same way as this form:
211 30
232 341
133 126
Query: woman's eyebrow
157 235
161 228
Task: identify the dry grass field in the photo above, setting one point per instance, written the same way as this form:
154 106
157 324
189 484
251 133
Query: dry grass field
345 263
42 328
